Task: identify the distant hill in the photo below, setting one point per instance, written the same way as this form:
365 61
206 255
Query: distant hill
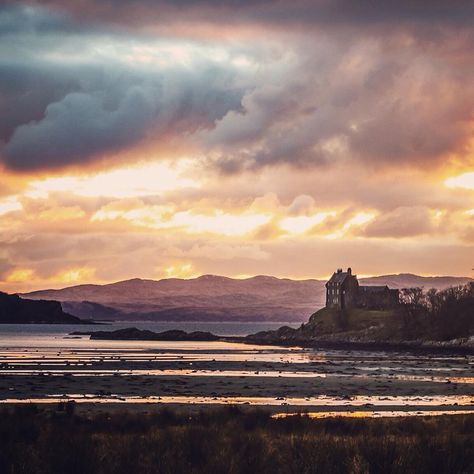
16 310
206 298
212 298
408 280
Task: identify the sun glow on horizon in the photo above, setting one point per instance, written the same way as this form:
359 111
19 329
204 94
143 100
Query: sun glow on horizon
183 270
20 275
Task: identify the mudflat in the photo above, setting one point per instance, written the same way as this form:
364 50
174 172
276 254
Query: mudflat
212 373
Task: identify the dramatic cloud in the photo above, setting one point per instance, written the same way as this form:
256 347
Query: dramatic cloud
287 13
70 107
173 138
75 92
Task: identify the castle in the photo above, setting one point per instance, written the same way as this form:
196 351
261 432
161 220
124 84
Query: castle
344 292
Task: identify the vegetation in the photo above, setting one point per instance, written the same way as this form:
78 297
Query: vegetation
432 316
230 441
330 320
440 315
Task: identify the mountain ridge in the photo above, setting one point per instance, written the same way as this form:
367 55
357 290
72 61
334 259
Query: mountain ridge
213 297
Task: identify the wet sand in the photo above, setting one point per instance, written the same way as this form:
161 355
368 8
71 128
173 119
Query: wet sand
219 373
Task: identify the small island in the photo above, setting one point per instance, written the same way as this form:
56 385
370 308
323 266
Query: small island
134 334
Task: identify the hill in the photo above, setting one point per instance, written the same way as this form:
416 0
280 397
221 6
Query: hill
15 310
212 298
206 298
408 280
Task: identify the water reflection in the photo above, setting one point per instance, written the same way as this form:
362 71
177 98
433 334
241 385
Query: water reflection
320 401
372 414
48 368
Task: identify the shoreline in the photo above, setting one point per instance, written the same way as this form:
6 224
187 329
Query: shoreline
417 347
409 347
315 411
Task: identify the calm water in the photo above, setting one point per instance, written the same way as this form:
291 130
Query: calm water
218 328
43 363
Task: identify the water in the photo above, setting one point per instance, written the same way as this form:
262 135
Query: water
44 364
218 328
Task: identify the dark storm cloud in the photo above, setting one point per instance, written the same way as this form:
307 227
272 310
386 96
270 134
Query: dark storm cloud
87 123
26 89
383 83
60 108
283 12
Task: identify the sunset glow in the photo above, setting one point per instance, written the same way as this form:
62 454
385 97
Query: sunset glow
216 140
465 180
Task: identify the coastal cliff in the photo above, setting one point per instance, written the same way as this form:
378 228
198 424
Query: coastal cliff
15 310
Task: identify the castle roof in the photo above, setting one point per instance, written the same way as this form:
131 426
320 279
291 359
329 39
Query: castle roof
338 277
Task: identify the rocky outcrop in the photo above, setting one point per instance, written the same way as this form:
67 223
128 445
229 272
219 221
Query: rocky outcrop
363 330
134 334
15 310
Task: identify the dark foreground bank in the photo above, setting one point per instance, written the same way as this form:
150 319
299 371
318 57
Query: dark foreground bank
229 441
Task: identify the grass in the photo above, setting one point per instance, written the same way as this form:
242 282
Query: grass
230 441
326 320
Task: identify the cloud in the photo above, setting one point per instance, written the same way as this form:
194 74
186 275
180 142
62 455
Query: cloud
71 98
77 89
234 137
5 267
291 13
220 251
84 125
301 205
54 236
370 102
402 222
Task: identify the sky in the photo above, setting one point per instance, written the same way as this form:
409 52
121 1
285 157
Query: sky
158 139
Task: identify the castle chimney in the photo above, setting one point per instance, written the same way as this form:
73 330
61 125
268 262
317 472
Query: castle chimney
349 271
339 270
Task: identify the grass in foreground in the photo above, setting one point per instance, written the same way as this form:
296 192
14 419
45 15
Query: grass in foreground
230 441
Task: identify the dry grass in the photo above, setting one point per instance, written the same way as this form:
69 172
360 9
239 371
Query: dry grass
231 441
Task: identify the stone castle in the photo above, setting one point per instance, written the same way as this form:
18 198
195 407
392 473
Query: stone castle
344 292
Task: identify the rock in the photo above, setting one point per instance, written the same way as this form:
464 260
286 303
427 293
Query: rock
135 334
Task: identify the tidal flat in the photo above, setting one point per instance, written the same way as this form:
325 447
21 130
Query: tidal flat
57 368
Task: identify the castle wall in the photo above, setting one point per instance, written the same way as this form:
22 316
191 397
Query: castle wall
381 299
343 292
